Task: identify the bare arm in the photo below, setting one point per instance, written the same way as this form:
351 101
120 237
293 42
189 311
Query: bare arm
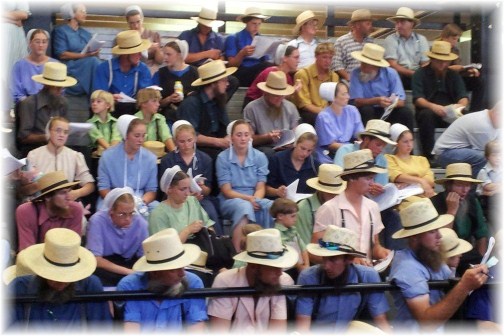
211 53
170 146
196 328
68 55
382 323
203 140
103 192
277 326
303 323
343 74
149 196
111 267
399 68
34 138
219 325
132 327
260 190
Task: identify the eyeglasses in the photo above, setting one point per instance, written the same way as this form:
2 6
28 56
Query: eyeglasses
338 247
61 131
267 255
125 214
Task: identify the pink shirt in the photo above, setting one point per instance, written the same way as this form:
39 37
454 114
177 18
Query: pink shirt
246 318
330 213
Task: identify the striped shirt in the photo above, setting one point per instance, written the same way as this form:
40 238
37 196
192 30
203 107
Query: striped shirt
343 48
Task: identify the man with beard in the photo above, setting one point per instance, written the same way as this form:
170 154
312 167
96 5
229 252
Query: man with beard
271 113
265 256
162 272
418 307
52 208
62 269
333 312
205 108
375 86
459 201
35 111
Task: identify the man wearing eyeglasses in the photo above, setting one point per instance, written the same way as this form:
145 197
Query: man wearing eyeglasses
115 235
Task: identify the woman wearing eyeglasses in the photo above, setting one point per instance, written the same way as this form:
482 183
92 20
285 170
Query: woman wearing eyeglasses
115 235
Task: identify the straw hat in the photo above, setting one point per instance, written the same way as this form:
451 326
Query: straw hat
265 247
396 130
302 129
336 241
363 328
208 17
276 83
19 269
164 251
404 13
458 172
379 129
55 74
60 257
420 217
360 161
176 125
200 263
301 19
156 147
253 12
441 50
360 15
371 54
212 71
327 91
129 42
328 179
123 124
53 181
451 244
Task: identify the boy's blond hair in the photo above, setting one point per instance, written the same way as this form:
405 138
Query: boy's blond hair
106 96
144 95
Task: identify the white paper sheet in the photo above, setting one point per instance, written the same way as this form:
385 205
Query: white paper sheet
265 46
93 45
292 193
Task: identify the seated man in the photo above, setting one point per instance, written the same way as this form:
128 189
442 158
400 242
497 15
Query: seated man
161 271
418 307
306 41
272 113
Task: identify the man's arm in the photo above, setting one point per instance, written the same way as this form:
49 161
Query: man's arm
219 325
132 327
303 323
382 323
400 69
279 326
111 267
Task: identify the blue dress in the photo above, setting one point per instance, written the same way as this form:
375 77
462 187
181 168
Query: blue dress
22 84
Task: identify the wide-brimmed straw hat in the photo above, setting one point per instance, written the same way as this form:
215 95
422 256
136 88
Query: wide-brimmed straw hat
301 19
212 71
208 17
55 74
328 179
19 269
155 147
265 247
253 12
371 54
360 15
130 42
458 172
441 50
361 161
164 251
420 217
396 130
379 129
451 244
60 258
276 83
404 13
336 241
53 181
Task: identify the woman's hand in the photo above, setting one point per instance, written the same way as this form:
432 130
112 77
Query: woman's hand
255 205
195 226
199 196
428 190
282 191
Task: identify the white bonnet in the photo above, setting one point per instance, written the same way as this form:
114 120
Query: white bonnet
133 8
114 194
229 127
167 177
396 130
176 125
123 124
67 11
327 91
184 48
280 53
302 129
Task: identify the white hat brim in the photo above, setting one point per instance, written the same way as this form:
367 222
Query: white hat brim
284 92
462 247
381 137
191 254
229 71
69 81
289 259
317 250
440 222
464 179
143 46
208 23
358 56
314 183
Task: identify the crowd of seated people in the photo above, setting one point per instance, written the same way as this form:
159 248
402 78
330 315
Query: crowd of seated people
305 164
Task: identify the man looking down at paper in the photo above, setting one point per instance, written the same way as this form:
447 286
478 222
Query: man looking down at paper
376 88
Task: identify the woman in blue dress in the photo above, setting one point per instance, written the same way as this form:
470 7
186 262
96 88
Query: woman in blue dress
68 41
241 173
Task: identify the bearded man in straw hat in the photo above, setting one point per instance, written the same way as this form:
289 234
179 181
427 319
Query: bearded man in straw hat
306 41
265 257
35 111
52 208
125 73
405 49
351 209
205 108
361 25
62 269
457 200
436 88
272 113
376 86
334 312
418 307
161 271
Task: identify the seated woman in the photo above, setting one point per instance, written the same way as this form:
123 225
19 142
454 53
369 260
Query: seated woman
295 163
187 156
338 123
129 164
241 173
56 156
22 84
69 40
115 235
176 69
157 129
406 168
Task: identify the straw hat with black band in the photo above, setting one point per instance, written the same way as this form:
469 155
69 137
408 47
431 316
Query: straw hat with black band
441 50
451 244
361 161
404 13
301 19
379 129
328 179
55 74
252 12
371 54
130 42
53 181
208 17
360 15
336 241
458 172
276 83
212 71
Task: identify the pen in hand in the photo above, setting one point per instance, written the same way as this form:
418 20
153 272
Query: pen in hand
487 274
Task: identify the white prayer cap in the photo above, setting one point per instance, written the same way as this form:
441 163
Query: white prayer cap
167 177
114 194
177 124
123 124
327 91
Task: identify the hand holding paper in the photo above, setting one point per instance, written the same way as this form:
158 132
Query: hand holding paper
292 193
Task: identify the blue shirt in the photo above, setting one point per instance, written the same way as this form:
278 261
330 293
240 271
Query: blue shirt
408 52
384 84
200 164
122 82
236 42
22 84
336 311
411 277
66 38
166 315
213 41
